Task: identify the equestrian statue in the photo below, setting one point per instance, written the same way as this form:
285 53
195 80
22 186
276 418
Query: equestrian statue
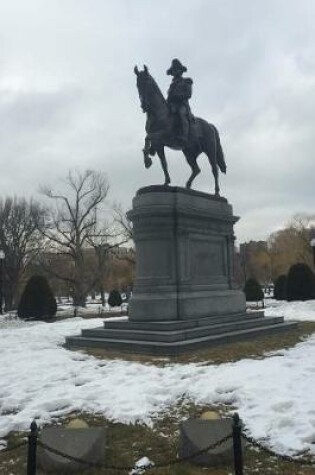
170 123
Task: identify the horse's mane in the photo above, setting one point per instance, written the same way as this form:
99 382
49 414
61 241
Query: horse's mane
157 89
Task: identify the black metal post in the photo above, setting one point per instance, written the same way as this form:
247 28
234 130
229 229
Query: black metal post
312 244
32 445
237 445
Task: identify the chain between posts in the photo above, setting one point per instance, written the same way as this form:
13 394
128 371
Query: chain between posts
15 447
156 465
251 441
33 442
82 461
286 458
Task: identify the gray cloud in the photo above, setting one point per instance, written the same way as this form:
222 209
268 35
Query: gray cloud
68 96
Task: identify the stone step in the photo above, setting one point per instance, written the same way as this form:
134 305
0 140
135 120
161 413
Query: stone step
173 348
179 335
179 324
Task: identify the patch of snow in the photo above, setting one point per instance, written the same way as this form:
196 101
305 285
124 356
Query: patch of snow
10 320
40 379
297 310
141 466
116 319
3 445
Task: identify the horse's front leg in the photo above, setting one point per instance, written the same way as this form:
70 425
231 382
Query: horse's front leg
146 152
161 154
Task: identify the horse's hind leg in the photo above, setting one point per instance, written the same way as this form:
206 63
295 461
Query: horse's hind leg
161 155
192 161
216 178
210 151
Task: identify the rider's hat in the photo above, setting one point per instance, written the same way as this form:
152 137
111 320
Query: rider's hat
176 67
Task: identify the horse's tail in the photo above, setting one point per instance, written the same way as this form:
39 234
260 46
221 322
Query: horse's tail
219 152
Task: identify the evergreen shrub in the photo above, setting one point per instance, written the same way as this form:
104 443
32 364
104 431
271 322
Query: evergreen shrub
280 284
300 283
37 300
114 299
253 291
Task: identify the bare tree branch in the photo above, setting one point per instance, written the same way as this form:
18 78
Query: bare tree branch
74 225
21 226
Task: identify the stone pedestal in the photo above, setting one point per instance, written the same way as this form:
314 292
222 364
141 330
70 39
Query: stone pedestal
184 247
184 297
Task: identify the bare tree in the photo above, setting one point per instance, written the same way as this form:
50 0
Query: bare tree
21 226
106 242
265 261
302 226
73 222
125 227
103 247
292 244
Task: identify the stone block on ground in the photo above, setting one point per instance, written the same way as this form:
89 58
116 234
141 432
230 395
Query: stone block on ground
197 434
87 444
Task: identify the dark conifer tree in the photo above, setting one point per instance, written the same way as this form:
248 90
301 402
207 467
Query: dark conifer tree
280 285
253 291
300 283
114 299
37 300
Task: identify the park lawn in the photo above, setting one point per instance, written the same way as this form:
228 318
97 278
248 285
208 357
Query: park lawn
129 441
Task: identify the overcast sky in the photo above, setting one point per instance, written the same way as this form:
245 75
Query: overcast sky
68 96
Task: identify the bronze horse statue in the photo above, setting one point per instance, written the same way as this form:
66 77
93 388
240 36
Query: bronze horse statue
160 129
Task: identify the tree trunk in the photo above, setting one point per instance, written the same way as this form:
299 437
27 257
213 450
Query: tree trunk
102 295
8 301
79 297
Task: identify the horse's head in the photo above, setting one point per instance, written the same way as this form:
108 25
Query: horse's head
145 84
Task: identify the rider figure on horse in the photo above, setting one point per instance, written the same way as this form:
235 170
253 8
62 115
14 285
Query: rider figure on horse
179 93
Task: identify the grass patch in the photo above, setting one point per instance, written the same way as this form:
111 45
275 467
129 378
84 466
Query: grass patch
254 348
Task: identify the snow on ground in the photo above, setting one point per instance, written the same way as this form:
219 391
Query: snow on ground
40 379
301 311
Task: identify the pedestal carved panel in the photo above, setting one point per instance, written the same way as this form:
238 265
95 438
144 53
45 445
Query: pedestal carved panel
183 243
